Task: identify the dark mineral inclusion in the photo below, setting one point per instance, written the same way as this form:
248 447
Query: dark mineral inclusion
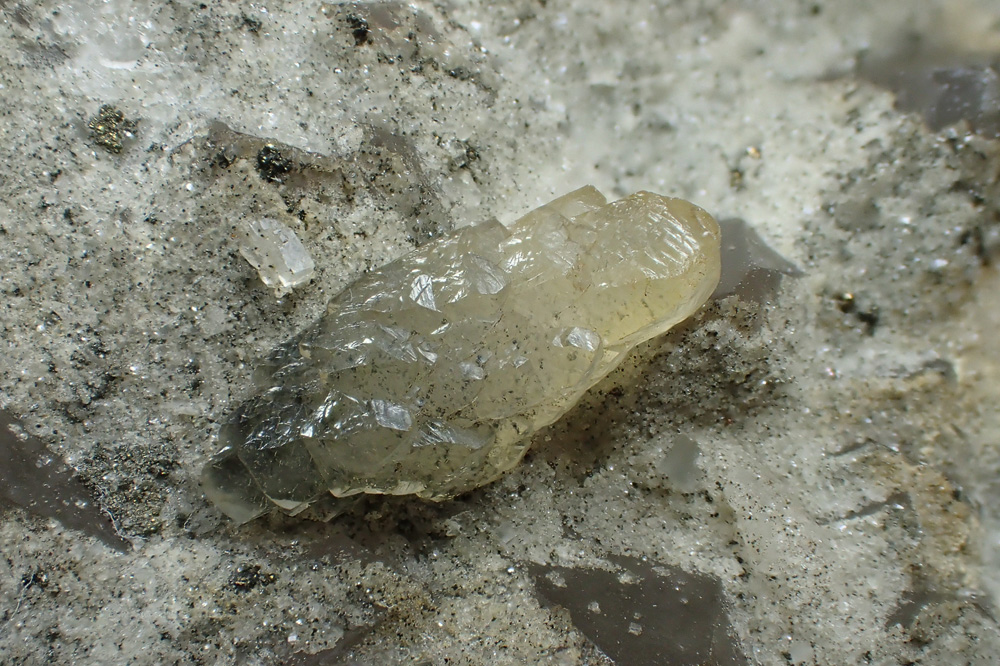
429 376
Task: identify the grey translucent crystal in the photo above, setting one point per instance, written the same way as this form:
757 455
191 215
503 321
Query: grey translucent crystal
430 375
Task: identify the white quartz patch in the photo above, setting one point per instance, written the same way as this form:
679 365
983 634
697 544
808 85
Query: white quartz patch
277 254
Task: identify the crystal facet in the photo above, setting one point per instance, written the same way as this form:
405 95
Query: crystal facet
429 375
277 254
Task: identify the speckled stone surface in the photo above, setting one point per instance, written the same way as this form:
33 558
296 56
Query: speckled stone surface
809 467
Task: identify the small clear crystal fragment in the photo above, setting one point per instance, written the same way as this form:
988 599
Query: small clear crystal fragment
430 375
277 254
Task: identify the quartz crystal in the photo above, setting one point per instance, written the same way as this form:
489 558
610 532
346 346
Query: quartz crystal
277 254
430 375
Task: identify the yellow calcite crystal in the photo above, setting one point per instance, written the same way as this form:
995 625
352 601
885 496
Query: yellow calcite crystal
429 375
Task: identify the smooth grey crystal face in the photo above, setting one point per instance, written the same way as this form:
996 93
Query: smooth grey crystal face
430 375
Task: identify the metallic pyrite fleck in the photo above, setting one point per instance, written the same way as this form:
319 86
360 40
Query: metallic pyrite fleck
430 375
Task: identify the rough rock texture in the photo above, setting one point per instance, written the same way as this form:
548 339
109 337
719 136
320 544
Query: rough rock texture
429 376
815 458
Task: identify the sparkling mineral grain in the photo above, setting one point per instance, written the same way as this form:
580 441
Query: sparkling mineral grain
430 375
277 254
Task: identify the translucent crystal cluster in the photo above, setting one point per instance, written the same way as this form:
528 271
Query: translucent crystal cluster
429 376
277 254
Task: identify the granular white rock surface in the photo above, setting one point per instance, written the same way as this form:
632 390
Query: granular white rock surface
810 465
